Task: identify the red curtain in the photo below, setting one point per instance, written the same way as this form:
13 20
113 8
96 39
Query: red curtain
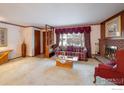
57 38
73 30
87 43
85 30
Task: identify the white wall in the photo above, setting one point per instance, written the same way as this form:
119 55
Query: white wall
28 37
95 35
14 39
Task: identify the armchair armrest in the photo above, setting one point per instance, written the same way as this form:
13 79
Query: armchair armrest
107 67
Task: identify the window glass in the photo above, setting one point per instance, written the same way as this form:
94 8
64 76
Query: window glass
74 39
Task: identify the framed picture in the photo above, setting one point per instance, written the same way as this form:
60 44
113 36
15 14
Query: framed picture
3 37
113 27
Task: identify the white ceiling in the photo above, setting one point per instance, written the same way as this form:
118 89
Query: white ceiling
57 14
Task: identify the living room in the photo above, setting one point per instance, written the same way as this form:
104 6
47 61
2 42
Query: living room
74 50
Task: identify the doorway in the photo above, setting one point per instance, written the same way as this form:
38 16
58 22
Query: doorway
37 42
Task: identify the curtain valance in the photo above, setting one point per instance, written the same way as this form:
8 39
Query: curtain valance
73 30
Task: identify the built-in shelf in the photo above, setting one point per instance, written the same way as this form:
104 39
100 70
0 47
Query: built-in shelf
48 39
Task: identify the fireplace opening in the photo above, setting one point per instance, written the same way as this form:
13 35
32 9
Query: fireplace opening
110 52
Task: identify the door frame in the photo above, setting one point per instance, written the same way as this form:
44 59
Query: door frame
35 51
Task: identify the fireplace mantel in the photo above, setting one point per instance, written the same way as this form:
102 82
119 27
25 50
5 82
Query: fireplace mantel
116 38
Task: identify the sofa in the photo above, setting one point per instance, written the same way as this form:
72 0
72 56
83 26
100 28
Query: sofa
81 52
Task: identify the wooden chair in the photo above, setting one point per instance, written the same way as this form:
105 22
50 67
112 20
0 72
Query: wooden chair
4 57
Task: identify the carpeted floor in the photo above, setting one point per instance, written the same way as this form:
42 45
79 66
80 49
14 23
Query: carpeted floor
42 71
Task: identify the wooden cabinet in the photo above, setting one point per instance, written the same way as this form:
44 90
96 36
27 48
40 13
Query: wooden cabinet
48 40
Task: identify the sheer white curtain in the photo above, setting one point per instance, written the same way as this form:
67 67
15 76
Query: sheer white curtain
74 39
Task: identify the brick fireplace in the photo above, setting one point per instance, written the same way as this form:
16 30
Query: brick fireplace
110 42
118 42
109 45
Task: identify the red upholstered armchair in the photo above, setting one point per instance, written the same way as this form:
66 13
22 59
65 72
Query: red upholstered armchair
113 73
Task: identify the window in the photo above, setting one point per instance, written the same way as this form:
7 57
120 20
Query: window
74 39
3 37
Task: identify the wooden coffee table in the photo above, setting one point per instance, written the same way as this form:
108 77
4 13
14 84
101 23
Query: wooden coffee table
66 61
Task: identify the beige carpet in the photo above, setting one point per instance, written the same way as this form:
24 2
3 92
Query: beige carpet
42 71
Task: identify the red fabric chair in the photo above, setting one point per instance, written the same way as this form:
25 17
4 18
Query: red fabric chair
112 73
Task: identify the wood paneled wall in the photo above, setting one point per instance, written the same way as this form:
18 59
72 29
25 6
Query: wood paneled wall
122 23
102 37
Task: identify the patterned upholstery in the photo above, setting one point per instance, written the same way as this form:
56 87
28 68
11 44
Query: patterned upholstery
73 51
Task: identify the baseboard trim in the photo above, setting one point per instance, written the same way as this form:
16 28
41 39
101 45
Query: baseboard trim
15 58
